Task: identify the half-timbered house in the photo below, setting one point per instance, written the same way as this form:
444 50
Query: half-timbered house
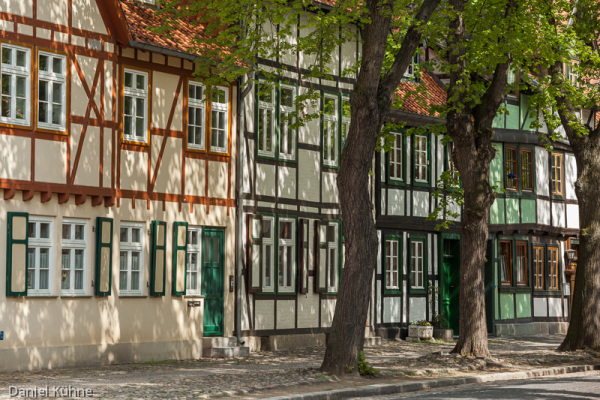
117 220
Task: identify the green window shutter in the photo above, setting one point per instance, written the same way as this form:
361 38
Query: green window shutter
303 256
104 243
254 253
16 254
158 258
321 257
180 232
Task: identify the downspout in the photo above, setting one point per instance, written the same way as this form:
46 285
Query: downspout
239 218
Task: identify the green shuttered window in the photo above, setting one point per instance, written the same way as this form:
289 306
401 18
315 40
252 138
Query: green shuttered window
180 231
158 258
104 245
16 254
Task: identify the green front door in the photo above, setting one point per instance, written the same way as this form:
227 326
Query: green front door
213 267
450 281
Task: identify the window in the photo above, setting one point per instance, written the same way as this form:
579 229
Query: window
135 106
194 264
417 264
538 267
526 170
556 174
553 268
330 130
287 117
396 171
266 120
219 121
518 168
521 263
15 80
52 91
287 255
513 83
268 254
393 277
39 256
328 257
506 263
410 70
131 259
451 165
510 165
196 116
421 158
571 74
74 261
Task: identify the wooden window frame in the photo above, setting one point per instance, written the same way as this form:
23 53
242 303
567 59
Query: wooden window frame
511 166
196 104
283 274
303 255
387 274
146 95
526 185
330 131
345 113
13 72
554 182
72 245
272 242
62 127
509 258
416 165
129 247
262 109
422 289
222 107
193 249
395 150
538 268
283 122
553 268
35 242
330 269
523 280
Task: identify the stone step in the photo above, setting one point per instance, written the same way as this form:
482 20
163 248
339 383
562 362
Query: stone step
229 352
372 341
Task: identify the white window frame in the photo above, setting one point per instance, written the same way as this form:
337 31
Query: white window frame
130 247
332 257
13 71
396 151
263 115
53 78
268 262
72 245
417 264
286 273
194 249
37 243
223 108
421 167
193 106
331 132
392 259
135 94
284 122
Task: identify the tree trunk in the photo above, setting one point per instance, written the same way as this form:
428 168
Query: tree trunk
478 199
584 328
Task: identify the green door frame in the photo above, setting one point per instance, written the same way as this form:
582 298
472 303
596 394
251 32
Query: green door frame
213 280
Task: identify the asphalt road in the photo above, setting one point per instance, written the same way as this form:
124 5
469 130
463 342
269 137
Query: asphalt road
571 386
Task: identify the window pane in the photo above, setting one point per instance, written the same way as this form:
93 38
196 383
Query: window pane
31 269
268 265
21 58
285 230
123 235
57 92
129 79
6 56
56 114
66 231
43 91
140 82
135 235
57 65
287 97
66 265
329 106
21 86
289 266
42 112
79 232
44 230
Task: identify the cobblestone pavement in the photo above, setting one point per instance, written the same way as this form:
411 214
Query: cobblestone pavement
284 372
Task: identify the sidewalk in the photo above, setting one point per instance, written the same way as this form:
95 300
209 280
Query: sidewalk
282 373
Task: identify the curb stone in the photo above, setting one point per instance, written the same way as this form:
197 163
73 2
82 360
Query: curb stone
387 389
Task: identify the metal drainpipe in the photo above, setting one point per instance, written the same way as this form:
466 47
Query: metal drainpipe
239 227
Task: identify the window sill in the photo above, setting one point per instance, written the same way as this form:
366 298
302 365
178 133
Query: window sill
75 296
511 289
540 292
40 296
133 296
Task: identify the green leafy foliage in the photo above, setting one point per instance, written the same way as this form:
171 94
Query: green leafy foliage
364 368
